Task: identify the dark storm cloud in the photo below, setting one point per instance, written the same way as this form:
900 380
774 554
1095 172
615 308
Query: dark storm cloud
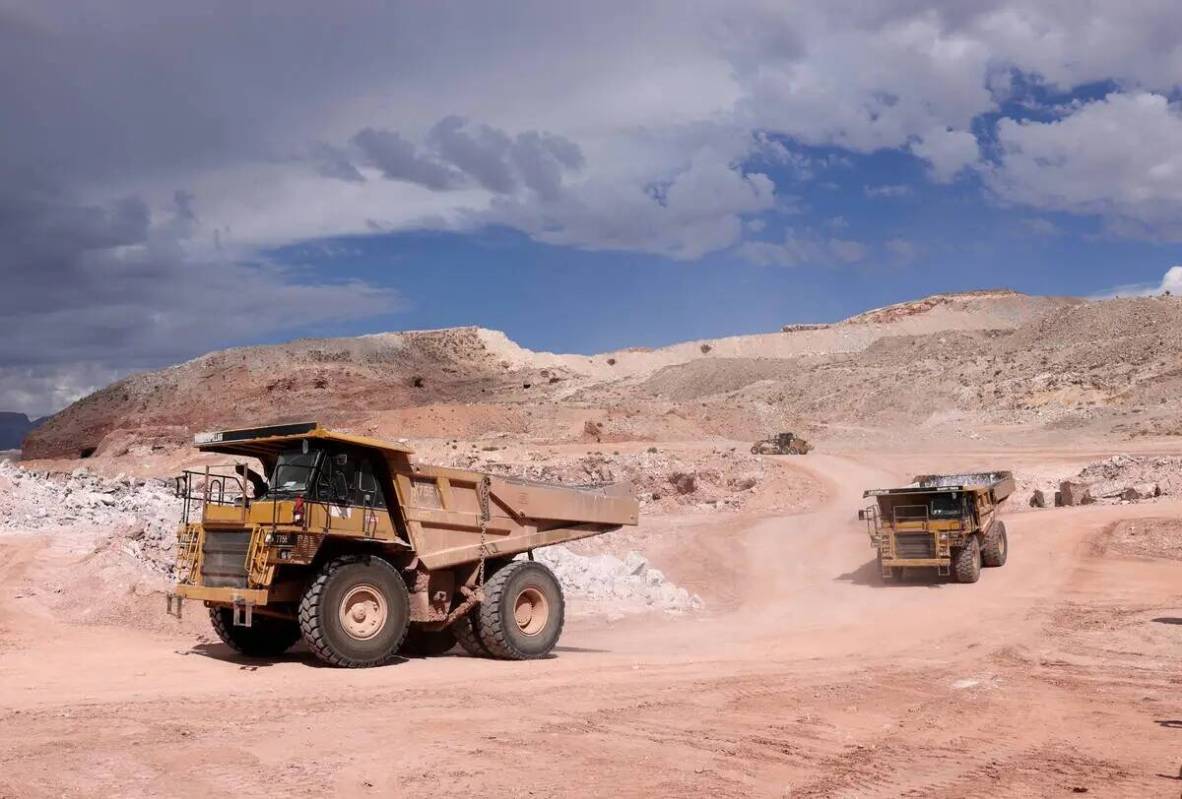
399 159
94 282
92 290
541 158
459 154
333 162
477 150
83 281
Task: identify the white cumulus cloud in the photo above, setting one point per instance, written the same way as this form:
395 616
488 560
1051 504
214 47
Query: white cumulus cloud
1119 158
1171 283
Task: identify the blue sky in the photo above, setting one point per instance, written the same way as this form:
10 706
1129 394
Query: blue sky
575 300
581 176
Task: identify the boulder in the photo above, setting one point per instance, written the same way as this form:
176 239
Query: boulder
684 482
1073 493
1140 491
1038 499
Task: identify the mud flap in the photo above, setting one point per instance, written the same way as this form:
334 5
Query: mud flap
243 613
174 605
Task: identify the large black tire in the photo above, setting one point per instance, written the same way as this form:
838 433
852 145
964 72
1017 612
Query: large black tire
421 643
356 613
468 638
266 637
523 611
997 546
966 562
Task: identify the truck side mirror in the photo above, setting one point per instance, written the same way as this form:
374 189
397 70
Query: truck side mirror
862 515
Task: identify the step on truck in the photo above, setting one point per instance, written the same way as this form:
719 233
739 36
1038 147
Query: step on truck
948 522
346 542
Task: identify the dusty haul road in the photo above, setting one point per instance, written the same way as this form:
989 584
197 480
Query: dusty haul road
1053 676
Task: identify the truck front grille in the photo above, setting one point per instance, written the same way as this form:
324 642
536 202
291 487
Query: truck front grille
915 545
223 559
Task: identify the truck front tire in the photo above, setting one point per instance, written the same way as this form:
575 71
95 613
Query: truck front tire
997 546
266 637
966 564
356 612
523 612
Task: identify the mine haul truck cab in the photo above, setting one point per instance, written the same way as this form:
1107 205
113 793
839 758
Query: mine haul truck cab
944 521
363 553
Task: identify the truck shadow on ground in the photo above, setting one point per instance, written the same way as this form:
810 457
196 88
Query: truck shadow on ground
581 650
1168 620
870 574
297 654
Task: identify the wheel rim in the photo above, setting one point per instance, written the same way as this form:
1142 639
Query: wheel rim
1002 544
531 611
363 612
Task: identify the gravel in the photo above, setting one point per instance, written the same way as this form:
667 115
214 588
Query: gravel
140 516
630 581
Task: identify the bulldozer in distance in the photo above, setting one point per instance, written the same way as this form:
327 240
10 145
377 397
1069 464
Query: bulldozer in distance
349 544
781 444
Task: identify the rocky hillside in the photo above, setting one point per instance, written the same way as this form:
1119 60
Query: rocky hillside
994 357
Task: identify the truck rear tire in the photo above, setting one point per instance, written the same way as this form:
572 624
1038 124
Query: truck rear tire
523 612
427 643
966 563
356 612
997 546
266 637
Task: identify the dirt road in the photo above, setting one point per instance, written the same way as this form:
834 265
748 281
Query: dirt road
1053 676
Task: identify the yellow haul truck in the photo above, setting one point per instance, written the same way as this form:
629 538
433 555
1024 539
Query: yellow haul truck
348 543
943 521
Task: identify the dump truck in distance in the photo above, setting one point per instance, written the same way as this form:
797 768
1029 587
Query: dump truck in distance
944 521
346 542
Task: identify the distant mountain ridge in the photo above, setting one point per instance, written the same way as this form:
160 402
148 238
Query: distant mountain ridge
437 383
14 427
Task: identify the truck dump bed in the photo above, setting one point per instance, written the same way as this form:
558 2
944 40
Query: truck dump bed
441 507
438 511
1000 484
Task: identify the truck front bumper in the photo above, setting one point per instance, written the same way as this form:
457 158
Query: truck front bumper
223 596
917 562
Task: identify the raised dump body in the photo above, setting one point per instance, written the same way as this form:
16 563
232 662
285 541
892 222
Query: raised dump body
346 541
944 521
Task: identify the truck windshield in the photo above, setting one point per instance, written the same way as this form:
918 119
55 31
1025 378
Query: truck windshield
293 471
946 506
